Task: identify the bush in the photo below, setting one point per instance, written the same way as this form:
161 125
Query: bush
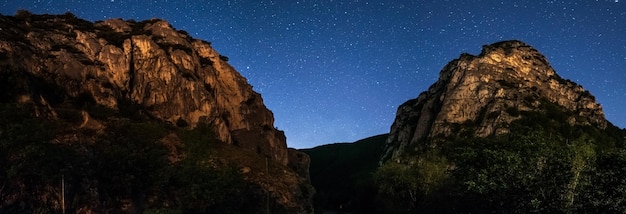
224 58
412 187
23 14
205 62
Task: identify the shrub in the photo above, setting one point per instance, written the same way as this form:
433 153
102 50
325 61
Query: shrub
114 38
183 32
23 14
224 58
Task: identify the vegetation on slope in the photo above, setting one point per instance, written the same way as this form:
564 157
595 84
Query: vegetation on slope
543 165
130 166
76 124
342 174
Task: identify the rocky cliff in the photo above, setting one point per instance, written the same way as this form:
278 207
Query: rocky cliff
114 63
146 70
483 94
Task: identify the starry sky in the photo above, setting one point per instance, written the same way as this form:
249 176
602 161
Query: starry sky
337 70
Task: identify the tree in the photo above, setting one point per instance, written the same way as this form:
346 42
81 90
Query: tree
409 186
606 191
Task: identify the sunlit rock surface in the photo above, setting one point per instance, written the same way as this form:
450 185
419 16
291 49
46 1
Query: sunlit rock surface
487 92
146 68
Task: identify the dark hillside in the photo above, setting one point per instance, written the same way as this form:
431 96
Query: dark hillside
341 174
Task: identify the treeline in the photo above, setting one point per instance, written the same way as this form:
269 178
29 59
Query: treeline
342 175
124 168
543 165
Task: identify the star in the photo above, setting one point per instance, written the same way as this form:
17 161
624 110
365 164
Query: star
317 63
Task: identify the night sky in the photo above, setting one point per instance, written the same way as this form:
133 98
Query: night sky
336 71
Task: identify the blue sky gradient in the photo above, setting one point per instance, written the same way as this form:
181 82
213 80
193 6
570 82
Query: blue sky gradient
336 71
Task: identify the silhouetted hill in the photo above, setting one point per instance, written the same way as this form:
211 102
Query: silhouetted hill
341 173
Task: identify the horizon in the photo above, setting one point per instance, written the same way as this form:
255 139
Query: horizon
336 72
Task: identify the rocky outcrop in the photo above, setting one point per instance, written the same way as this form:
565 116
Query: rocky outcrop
149 64
487 92
143 69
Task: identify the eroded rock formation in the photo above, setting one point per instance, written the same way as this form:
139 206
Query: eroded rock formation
487 92
146 69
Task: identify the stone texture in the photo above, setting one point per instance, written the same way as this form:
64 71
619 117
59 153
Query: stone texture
146 68
172 76
479 90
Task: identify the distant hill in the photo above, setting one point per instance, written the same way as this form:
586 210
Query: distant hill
341 173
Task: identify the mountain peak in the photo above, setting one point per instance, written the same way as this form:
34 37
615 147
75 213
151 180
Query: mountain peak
483 94
515 53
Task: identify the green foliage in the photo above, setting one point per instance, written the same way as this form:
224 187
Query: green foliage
198 185
197 141
405 187
607 192
127 163
399 183
202 189
517 173
29 159
543 165
528 170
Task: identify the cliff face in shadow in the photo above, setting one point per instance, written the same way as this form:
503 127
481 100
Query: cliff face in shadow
60 65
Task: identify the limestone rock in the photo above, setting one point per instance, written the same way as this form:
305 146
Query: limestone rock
488 91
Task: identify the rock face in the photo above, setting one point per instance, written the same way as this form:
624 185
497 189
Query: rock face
147 69
119 64
487 92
